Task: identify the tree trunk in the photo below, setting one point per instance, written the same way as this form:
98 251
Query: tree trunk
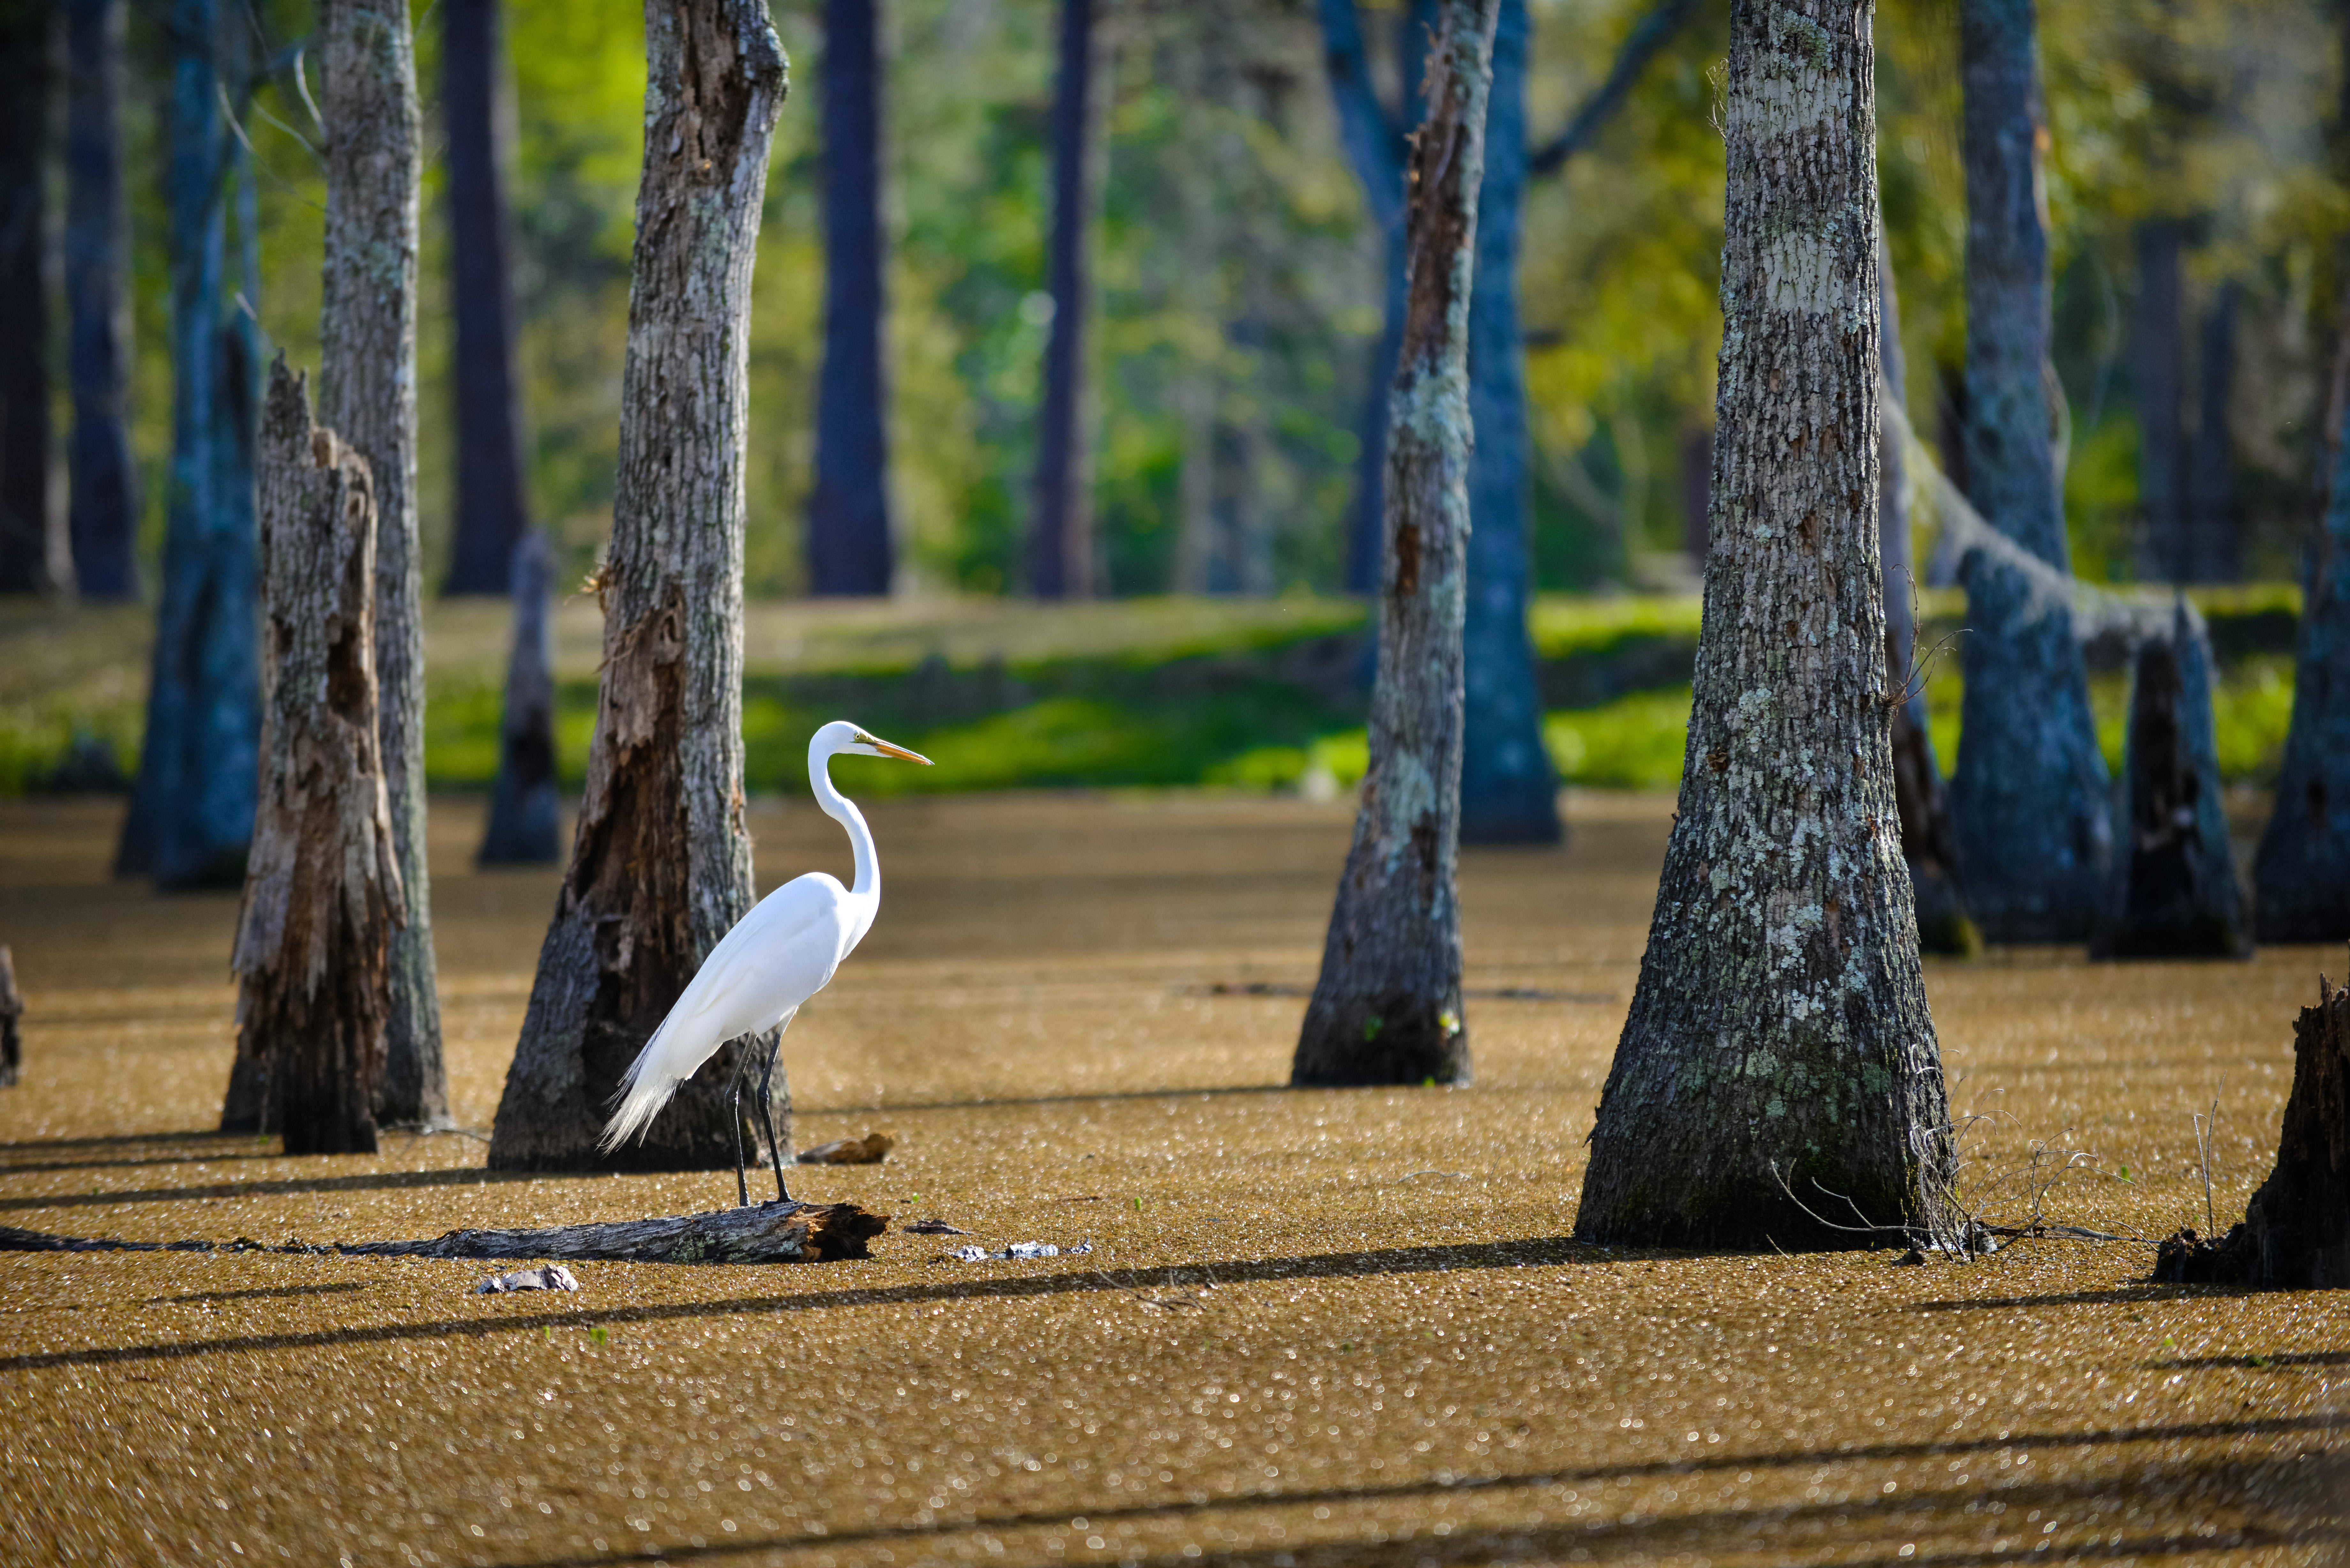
2172 892
1929 846
2214 530
2301 877
848 546
525 807
25 324
660 864
11 1018
2029 797
1509 791
367 391
2295 1234
323 892
1779 1032
2160 363
103 513
191 815
493 511
1387 1006
1061 561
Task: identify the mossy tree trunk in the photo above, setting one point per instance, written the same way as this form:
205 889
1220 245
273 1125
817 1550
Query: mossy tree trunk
2028 797
525 826
661 863
1387 1007
366 392
1780 1029
322 892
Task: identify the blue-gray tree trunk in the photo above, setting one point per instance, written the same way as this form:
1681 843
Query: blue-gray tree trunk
25 319
2215 541
1060 544
1509 793
849 510
2159 363
492 503
525 810
103 509
191 817
2029 796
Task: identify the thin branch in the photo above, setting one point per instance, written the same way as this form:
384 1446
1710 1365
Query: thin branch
1649 35
237 128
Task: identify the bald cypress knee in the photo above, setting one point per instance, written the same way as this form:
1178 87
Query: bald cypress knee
1387 1007
661 862
1779 1048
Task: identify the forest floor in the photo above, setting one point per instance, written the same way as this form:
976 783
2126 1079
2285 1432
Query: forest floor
1314 1328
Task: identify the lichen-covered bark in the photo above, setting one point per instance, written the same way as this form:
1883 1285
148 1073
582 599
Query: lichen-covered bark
2301 878
1387 1007
367 391
2028 797
1781 1015
524 826
322 891
660 864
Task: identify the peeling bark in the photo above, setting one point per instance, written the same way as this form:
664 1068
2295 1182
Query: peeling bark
366 392
1780 1029
661 862
322 890
525 824
1387 1006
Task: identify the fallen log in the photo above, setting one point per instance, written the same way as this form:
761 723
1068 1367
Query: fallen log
762 1233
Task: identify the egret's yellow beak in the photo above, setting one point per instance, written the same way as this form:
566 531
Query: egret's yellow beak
900 752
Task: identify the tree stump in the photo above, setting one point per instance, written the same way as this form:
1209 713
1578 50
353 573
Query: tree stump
2295 1234
12 1013
2172 890
525 827
322 889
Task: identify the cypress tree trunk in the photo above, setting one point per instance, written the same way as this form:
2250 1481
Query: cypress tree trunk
12 1014
367 391
24 323
848 511
2028 796
525 810
2301 877
2159 361
192 814
1780 1025
1509 791
103 511
2214 542
1061 559
661 864
1387 1006
323 891
2172 892
491 504
1929 846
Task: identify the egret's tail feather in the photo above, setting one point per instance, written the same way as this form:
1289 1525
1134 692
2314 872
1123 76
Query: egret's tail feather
640 1098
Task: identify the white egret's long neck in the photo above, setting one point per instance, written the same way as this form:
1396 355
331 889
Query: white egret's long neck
843 810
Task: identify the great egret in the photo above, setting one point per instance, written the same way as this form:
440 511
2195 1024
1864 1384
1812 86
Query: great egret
776 956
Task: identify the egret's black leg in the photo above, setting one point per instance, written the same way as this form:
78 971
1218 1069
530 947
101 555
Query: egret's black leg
742 1181
767 1115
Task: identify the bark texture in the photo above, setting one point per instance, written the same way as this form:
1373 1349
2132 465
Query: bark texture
1061 551
1387 1006
12 1020
2029 796
190 814
848 509
323 893
24 323
103 507
2301 877
366 392
2173 891
491 507
661 863
525 809
2295 1233
1779 1032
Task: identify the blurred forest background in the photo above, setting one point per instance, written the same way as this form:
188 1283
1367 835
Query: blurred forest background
1237 277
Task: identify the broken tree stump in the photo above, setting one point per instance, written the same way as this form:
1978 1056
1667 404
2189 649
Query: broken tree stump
763 1233
322 889
2295 1233
12 1013
2172 891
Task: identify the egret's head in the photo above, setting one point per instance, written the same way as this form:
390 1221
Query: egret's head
841 738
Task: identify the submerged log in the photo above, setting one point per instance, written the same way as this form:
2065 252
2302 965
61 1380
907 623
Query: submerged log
763 1233
2295 1233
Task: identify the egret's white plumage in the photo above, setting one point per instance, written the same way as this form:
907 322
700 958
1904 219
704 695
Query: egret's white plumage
780 954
